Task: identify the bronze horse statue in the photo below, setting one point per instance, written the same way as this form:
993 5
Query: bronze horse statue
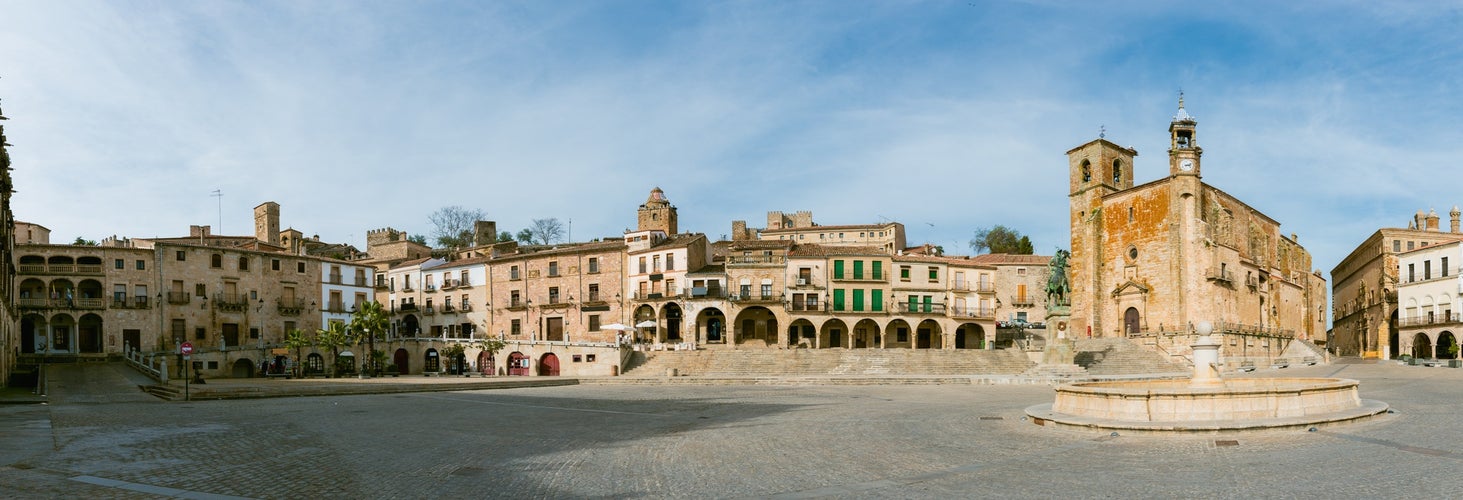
1057 287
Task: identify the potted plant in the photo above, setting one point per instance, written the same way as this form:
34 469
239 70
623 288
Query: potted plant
391 370
1453 353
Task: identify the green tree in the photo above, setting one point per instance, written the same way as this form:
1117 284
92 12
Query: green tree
334 336
1000 239
525 236
369 323
489 345
298 340
504 237
84 242
417 238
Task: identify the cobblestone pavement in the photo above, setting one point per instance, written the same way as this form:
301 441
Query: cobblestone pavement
714 442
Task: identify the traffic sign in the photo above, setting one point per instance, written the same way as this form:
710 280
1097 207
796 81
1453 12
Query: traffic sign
185 349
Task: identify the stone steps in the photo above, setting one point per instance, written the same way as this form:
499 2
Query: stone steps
831 362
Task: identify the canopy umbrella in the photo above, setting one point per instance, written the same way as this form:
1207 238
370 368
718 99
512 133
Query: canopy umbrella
645 324
615 326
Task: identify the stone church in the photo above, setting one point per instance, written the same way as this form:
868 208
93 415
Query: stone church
1157 258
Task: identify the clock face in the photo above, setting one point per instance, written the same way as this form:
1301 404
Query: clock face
1187 165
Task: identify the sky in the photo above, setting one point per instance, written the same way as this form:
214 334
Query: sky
1334 118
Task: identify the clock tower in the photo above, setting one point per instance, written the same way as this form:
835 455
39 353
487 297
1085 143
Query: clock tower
1183 147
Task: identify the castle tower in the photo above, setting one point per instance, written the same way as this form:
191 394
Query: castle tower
1183 149
1095 170
657 213
266 222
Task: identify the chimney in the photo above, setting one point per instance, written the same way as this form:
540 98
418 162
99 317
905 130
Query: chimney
1454 216
1432 220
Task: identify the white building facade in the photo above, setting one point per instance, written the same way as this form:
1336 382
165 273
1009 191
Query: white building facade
1429 282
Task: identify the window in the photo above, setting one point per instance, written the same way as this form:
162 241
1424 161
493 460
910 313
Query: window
838 269
253 333
199 290
876 300
553 268
1427 269
858 300
513 272
199 333
642 265
655 263
858 269
274 264
1410 245
594 292
119 264
243 263
216 261
878 271
593 265
300 267
746 290
182 255
462 278
903 273
1444 267
766 290
513 298
1411 273
119 293
141 265
1117 178
1396 246
515 328
180 328
553 295
670 287
670 262
838 299
934 274
594 322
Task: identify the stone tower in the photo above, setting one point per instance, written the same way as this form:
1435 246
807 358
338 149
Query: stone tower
657 214
1095 170
266 222
1185 193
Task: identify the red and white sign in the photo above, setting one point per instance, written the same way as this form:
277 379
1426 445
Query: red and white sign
185 349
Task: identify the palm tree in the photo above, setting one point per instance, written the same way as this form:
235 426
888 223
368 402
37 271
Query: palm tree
296 339
333 337
370 322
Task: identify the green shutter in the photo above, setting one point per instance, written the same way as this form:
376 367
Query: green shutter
878 270
913 303
927 302
838 299
858 298
878 295
858 269
838 269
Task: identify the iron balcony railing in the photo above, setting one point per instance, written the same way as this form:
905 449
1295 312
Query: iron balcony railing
333 278
973 312
755 297
179 298
755 259
922 308
1435 319
290 307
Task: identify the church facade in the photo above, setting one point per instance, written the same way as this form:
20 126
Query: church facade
1157 258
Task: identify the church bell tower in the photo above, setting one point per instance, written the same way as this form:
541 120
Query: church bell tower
1183 147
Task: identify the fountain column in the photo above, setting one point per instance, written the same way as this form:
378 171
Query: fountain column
1206 358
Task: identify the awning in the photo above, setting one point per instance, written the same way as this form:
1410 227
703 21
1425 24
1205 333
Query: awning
646 324
347 353
615 326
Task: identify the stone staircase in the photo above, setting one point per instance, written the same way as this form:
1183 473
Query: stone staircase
1117 356
831 362
164 392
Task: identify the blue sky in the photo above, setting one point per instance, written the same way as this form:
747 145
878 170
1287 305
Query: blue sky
1335 118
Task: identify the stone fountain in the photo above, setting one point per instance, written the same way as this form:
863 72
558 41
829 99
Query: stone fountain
1205 402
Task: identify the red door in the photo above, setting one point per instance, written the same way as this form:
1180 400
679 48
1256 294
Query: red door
485 363
517 364
549 365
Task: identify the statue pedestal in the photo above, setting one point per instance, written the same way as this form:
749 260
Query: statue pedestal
1059 351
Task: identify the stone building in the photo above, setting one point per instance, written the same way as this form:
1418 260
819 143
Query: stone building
28 233
1430 280
1364 286
1159 257
799 228
9 314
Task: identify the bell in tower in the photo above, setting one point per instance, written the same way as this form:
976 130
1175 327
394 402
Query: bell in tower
1184 150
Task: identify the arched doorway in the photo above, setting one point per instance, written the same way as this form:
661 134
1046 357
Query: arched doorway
672 321
410 326
756 326
243 368
865 334
970 336
1422 347
485 363
1392 340
713 322
517 363
833 334
433 363
548 365
1131 323
89 293
89 333
898 334
314 364
802 332
33 293
1447 345
457 364
63 293
402 359
31 330
928 335
62 329
644 333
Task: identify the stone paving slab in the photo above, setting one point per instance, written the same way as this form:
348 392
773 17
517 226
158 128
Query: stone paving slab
718 441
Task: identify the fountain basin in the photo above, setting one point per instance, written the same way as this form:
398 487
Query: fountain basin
1178 405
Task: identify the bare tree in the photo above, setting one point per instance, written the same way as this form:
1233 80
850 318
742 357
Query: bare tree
546 231
452 226
1001 239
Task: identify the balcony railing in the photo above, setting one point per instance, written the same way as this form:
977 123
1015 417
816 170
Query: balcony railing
407 288
449 284
1223 276
407 307
464 284
429 310
1436 319
755 297
335 307
973 312
80 269
447 308
230 301
863 278
920 308
333 278
429 288
380 284
31 269
290 307
30 303
985 287
752 260
1023 301
361 281
140 302
806 307
1244 329
179 298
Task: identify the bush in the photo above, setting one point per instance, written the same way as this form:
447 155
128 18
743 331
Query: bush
391 369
